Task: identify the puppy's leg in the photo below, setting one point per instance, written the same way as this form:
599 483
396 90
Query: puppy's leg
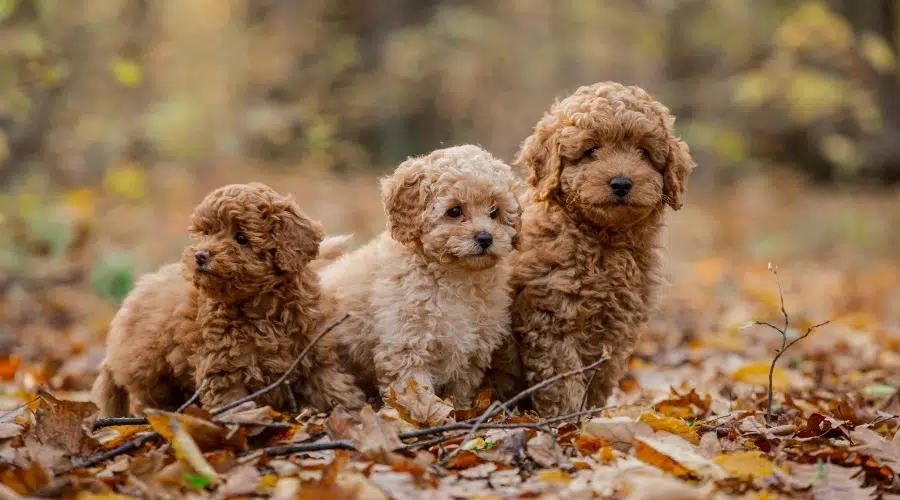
544 356
223 388
398 370
328 386
505 375
464 387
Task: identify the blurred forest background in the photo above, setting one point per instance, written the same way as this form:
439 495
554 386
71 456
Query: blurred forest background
117 116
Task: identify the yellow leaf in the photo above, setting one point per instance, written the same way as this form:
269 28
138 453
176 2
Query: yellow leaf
268 481
676 456
127 180
746 465
82 202
187 451
555 476
877 51
758 374
126 71
650 455
671 425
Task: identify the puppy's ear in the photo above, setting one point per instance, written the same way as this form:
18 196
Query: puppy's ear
297 237
403 196
679 165
540 155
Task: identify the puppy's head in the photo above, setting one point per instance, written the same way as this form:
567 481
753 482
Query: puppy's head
248 240
455 206
609 154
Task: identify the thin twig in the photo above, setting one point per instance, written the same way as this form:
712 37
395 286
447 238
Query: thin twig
431 442
587 390
109 422
193 399
785 345
291 400
274 385
288 449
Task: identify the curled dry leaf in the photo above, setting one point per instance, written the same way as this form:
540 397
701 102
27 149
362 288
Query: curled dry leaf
619 432
676 456
374 438
419 406
871 443
207 434
188 452
65 425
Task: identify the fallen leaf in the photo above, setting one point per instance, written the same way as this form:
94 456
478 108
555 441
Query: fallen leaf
757 374
25 480
688 406
243 480
555 476
871 443
207 434
619 432
482 403
9 366
374 438
187 451
64 425
544 450
8 430
420 406
746 465
588 445
832 481
464 460
671 425
673 454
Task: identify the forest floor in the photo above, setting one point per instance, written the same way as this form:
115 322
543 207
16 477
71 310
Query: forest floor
689 421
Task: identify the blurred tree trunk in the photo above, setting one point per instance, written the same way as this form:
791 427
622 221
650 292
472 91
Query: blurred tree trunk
880 17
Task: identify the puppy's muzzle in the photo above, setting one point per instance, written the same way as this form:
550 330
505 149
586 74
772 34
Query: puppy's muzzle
202 258
620 186
484 240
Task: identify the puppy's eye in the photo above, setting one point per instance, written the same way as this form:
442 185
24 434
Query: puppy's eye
454 212
644 154
588 154
205 233
494 213
241 238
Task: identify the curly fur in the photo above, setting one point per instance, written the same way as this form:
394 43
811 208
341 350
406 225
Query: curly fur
427 303
589 268
237 318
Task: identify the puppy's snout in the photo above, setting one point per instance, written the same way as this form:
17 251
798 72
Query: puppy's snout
202 257
620 185
484 240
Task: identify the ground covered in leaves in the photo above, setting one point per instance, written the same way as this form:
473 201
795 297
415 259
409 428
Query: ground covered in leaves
689 420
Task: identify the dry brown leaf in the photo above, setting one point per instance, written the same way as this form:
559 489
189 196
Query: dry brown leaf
619 432
829 481
544 450
25 480
374 438
688 406
65 425
8 430
871 443
482 403
242 480
419 406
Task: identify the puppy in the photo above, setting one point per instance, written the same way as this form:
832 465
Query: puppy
603 164
236 312
429 297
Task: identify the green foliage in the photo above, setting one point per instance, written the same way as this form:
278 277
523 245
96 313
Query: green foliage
113 276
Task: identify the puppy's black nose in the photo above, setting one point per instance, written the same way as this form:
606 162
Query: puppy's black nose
484 240
202 257
620 185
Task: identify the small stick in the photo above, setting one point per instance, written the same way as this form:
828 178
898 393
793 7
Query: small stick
292 402
281 380
132 445
193 398
288 449
785 345
109 422
587 390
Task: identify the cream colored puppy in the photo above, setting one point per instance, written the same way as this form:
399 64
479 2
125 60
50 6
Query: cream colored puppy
428 298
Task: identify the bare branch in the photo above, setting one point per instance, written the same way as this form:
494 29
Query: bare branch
284 377
193 398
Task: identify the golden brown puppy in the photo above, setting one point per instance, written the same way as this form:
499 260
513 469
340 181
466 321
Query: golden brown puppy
603 163
429 298
236 312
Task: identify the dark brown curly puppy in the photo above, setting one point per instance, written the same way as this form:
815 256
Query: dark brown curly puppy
603 164
249 305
